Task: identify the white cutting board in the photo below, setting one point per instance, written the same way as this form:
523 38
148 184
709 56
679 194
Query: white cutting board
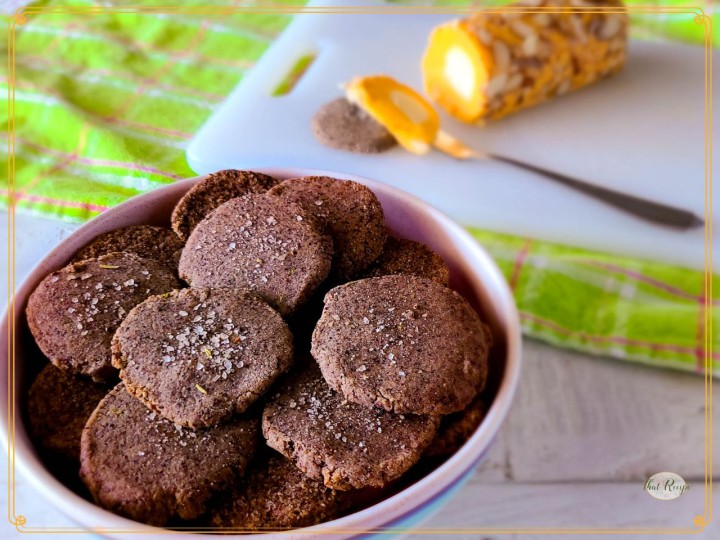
641 132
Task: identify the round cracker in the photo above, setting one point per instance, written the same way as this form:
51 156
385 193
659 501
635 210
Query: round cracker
345 126
402 343
212 191
139 465
198 357
146 241
347 446
260 243
75 311
348 211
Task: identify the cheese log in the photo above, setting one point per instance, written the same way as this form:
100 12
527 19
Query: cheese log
489 65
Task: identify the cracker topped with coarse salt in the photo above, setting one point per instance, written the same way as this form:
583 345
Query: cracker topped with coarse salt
198 357
402 343
75 311
212 191
346 445
262 244
348 211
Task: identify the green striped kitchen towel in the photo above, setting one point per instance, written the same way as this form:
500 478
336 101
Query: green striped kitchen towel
105 105
606 304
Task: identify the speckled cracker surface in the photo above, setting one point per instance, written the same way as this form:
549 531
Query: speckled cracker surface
348 211
212 191
402 343
401 256
144 467
199 356
341 443
259 243
277 495
75 311
147 241
345 126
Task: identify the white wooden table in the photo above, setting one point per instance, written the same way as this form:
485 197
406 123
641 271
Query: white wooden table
582 438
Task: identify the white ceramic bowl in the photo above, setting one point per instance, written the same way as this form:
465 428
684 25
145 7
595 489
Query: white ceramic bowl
473 273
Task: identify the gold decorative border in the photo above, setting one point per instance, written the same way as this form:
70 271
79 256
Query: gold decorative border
20 18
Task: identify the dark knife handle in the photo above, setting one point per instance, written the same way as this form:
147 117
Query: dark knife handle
642 208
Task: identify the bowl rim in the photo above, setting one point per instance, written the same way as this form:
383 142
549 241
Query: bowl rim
380 515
